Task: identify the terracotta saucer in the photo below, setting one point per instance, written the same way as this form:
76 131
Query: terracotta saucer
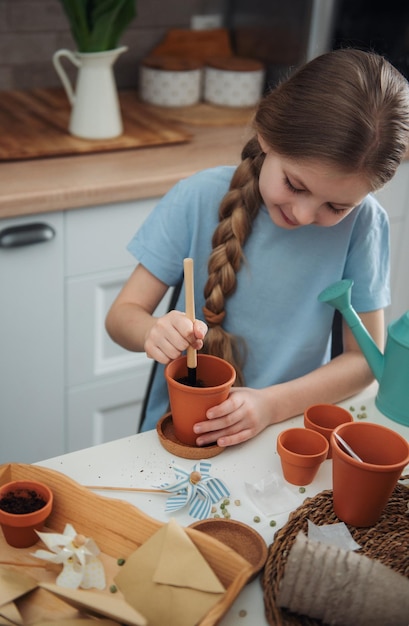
240 537
168 440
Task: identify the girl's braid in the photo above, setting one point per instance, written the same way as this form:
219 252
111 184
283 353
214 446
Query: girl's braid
237 211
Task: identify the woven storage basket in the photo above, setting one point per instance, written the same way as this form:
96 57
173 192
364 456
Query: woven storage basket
387 542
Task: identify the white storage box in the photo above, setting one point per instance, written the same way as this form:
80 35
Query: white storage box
233 81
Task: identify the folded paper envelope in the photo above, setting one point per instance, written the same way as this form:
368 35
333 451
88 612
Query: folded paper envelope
98 604
168 579
14 584
10 615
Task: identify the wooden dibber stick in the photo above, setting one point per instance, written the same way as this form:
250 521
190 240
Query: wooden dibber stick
137 489
190 313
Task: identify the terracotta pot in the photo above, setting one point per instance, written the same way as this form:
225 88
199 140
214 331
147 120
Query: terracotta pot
362 490
301 452
324 418
189 404
19 528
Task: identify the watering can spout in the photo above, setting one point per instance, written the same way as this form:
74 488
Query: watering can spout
338 295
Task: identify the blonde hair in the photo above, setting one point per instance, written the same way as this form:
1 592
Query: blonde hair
347 108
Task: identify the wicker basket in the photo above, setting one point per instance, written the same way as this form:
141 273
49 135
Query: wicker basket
387 542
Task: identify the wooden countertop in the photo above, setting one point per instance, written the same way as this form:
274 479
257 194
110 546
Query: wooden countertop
63 183
53 184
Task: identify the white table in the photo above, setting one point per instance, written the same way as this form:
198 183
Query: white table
141 461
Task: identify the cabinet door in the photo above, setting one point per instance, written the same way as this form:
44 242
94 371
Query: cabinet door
31 339
103 411
105 383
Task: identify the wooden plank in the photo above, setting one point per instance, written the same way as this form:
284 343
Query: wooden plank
34 124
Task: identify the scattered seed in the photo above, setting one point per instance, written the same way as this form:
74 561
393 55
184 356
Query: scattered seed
352 408
242 613
361 416
256 519
301 489
273 523
121 562
363 407
216 516
214 509
222 506
237 502
226 501
113 589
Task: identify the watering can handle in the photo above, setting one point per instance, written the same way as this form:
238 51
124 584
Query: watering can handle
62 73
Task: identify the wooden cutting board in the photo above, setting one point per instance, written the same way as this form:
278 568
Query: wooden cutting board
34 124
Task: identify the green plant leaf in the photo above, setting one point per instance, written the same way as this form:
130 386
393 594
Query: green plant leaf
110 18
97 25
76 11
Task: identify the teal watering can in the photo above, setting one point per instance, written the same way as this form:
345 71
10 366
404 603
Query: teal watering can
390 369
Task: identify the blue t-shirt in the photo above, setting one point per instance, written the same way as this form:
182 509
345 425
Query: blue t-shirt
275 307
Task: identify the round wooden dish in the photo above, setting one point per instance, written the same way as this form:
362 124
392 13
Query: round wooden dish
240 537
168 440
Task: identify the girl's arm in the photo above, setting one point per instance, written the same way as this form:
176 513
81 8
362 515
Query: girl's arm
131 324
248 411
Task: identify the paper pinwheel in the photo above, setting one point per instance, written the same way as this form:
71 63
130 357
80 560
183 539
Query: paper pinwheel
78 556
195 488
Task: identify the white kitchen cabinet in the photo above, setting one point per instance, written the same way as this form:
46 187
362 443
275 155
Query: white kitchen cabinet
106 410
105 384
394 197
31 339
64 384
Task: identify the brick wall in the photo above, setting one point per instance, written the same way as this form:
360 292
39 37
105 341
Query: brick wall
32 30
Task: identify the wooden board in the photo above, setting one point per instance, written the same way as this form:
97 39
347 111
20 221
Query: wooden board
118 528
204 114
35 123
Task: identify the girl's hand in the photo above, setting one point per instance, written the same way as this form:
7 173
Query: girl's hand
244 414
171 334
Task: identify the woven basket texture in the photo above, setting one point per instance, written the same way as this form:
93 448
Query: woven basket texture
387 541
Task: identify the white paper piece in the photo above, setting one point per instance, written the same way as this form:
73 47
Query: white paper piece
272 496
79 558
336 535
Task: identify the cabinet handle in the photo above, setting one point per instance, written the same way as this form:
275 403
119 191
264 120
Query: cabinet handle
26 235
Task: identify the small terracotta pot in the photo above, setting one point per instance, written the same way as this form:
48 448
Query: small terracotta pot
324 418
19 528
362 490
301 452
189 404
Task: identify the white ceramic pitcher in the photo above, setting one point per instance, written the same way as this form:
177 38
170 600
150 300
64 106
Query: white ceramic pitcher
95 110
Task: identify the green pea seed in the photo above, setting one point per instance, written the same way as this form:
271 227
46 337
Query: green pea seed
256 519
121 562
352 408
237 502
273 523
301 489
113 589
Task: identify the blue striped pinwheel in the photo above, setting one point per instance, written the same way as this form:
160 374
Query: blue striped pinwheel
197 489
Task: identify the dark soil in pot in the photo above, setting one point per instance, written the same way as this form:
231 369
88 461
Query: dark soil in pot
21 501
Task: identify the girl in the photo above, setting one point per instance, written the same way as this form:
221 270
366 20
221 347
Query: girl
266 237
